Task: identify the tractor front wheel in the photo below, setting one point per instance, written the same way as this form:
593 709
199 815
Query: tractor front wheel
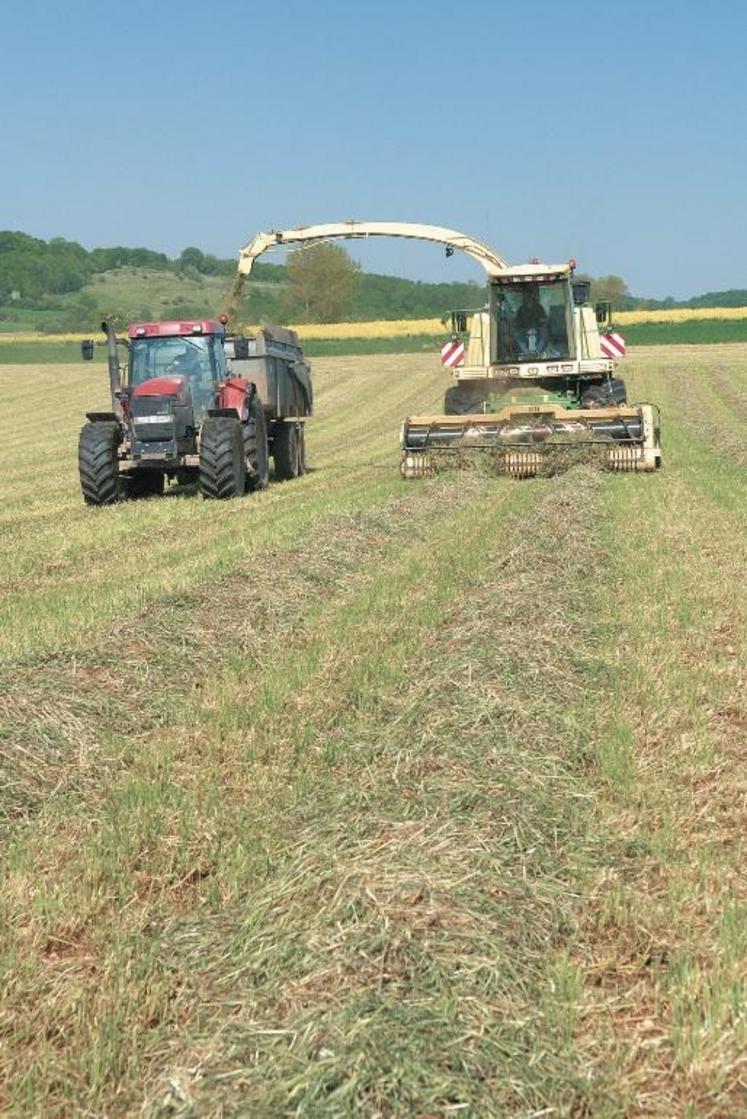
222 462
97 462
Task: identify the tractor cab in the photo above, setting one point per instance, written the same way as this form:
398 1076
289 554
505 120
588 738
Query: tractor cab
165 355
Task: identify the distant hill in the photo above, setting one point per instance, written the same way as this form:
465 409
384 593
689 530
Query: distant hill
58 285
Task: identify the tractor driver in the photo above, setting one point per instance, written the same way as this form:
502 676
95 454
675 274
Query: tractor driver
193 364
531 323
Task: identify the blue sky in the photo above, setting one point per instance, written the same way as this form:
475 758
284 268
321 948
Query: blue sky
611 133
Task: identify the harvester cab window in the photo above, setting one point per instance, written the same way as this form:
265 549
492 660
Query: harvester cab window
531 321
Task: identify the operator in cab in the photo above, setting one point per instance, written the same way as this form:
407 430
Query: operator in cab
531 322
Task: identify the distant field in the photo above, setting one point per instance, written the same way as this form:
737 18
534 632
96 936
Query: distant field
649 328
360 797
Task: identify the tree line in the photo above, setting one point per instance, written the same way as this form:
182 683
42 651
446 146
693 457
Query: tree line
319 283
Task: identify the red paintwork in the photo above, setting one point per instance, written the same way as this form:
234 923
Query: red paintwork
175 329
161 386
232 394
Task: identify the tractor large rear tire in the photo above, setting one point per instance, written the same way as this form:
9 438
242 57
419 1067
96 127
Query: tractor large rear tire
287 451
222 463
97 462
256 449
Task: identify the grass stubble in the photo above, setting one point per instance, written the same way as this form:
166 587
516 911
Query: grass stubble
429 801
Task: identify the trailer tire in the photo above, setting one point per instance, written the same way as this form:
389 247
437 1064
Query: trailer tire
97 462
286 451
302 466
256 449
222 464
144 483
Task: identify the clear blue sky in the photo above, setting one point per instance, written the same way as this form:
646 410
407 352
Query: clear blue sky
612 133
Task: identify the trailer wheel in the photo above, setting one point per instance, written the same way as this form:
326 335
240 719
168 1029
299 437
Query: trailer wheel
287 451
222 464
256 450
97 462
144 483
302 449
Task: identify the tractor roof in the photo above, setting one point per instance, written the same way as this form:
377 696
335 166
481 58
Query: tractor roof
534 271
175 329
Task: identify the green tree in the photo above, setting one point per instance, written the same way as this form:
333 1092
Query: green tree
191 258
323 282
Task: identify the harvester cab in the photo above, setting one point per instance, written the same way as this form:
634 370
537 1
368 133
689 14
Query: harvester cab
184 407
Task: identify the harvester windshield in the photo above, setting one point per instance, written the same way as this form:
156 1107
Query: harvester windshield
532 319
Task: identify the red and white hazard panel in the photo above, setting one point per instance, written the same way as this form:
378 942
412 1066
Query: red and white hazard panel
613 345
452 353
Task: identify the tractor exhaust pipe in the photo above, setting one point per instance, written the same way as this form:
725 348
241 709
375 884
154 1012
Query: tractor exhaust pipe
115 381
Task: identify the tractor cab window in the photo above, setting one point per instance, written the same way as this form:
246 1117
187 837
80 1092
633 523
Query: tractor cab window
189 357
531 320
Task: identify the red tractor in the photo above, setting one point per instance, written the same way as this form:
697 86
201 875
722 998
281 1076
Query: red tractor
195 405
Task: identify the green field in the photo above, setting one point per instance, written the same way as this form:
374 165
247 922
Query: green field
360 797
702 332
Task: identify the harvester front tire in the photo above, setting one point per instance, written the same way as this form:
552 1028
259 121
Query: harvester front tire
256 449
97 463
222 464
286 451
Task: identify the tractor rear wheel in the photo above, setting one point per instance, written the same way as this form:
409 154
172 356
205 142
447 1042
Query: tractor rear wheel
222 463
97 462
287 451
145 483
256 450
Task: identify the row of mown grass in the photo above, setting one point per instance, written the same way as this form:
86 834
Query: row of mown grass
364 798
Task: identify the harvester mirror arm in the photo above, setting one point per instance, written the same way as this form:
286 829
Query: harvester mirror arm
452 239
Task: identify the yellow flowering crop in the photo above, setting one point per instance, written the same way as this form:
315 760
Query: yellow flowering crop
400 328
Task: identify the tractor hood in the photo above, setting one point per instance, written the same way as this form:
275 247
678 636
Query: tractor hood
163 386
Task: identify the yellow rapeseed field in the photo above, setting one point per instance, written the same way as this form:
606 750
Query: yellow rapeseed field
400 328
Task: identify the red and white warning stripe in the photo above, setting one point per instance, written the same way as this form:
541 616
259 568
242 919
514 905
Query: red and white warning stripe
613 345
452 353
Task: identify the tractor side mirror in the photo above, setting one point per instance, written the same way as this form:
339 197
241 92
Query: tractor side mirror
460 321
86 349
241 348
603 311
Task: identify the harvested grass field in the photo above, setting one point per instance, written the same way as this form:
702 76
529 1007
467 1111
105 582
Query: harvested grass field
360 797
